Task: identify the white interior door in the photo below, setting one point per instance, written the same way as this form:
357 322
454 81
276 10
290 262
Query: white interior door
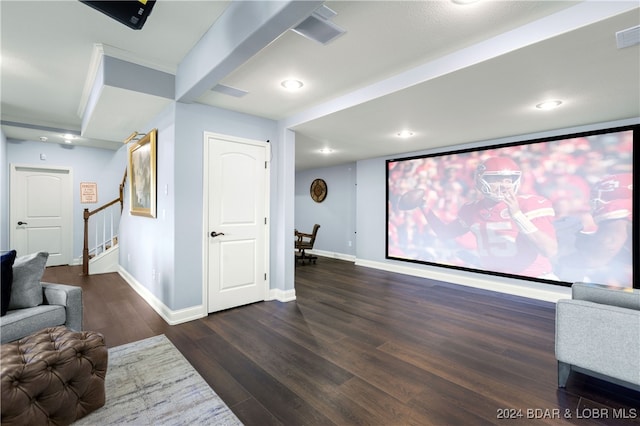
41 207
236 205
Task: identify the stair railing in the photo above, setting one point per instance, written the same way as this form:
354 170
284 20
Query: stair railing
104 243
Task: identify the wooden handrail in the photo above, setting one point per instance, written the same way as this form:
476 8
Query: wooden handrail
92 212
124 178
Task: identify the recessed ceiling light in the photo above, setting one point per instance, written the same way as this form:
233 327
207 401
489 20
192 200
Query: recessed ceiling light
292 84
464 2
43 138
549 104
404 134
326 151
68 136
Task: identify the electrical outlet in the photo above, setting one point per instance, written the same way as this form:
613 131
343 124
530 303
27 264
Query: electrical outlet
350 243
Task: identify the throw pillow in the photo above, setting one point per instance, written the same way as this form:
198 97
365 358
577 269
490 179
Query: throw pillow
26 290
7 278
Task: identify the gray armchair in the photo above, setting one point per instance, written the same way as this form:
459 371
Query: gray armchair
598 333
62 305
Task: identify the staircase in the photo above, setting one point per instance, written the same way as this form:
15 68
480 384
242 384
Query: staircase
105 262
100 253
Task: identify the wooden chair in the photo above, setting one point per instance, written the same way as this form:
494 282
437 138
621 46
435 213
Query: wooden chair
305 242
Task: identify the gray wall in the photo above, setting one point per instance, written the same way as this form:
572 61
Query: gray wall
371 209
4 194
103 166
336 214
146 244
165 254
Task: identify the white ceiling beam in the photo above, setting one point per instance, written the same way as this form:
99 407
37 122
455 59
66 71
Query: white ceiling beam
580 15
242 31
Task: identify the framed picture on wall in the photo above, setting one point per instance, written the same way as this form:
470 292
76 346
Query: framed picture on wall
142 175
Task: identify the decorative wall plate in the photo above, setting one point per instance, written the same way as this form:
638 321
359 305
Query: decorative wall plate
318 190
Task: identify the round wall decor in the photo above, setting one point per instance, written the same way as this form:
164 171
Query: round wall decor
318 190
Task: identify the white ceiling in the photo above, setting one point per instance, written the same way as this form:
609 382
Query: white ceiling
452 74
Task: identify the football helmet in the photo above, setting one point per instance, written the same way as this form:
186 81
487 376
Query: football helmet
611 197
495 174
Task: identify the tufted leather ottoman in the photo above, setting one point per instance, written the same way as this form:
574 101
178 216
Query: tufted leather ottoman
54 376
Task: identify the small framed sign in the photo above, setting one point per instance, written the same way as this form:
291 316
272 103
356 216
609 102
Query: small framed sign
88 192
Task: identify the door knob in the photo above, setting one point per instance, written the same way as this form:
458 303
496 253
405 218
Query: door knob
216 234
21 222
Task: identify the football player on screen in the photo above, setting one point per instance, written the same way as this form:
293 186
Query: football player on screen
605 255
514 232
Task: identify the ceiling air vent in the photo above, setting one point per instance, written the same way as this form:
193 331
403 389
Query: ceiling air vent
628 37
318 27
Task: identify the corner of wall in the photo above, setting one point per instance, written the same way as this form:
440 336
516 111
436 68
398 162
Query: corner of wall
4 193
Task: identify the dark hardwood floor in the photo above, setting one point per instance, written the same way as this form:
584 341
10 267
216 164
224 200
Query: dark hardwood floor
362 346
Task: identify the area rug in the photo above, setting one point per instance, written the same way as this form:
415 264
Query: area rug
150 382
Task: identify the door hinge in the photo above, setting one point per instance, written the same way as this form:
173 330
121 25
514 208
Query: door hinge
265 220
265 164
265 276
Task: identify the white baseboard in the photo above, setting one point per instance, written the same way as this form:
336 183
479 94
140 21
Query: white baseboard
530 289
333 255
281 295
170 316
173 317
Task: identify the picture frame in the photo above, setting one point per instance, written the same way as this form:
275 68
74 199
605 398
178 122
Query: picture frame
142 176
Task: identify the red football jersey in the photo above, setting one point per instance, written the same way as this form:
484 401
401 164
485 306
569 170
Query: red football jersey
611 198
501 245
